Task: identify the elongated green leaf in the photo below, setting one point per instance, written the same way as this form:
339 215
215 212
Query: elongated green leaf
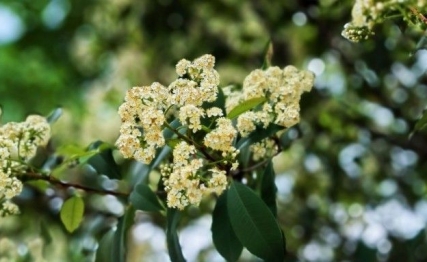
72 213
268 55
73 151
104 162
167 133
175 251
219 101
142 198
245 106
268 188
254 224
421 124
422 43
224 238
103 254
120 236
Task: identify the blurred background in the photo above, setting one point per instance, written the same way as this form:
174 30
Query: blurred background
352 185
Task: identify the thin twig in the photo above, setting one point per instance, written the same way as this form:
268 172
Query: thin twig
55 181
418 14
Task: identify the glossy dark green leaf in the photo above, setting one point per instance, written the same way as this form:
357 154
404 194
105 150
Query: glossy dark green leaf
421 124
245 106
54 115
72 213
167 133
174 248
143 198
224 238
219 101
105 247
268 188
118 253
104 162
422 43
254 224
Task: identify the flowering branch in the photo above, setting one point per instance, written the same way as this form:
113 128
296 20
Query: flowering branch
200 148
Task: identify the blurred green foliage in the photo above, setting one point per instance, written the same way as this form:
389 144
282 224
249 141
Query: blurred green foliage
349 184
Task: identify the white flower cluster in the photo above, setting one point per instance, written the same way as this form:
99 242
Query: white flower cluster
183 180
142 116
18 143
367 13
282 89
143 119
264 149
143 112
200 165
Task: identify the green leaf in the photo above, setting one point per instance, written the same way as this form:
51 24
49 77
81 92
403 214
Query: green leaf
175 251
268 55
143 198
120 236
72 213
421 123
54 115
167 133
245 106
104 162
268 188
173 142
71 150
224 238
219 101
103 253
422 44
254 224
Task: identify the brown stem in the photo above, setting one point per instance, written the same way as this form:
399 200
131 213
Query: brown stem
418 14
201 148
55 181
